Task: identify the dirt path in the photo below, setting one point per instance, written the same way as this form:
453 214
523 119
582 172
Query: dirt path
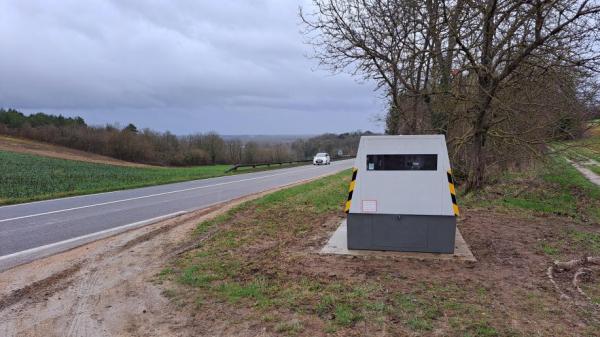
106 288
54 151
589 174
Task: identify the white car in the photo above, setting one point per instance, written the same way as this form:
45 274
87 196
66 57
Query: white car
322 159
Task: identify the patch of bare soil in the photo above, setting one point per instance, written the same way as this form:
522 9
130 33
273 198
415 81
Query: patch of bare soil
55 151
103 288
40 289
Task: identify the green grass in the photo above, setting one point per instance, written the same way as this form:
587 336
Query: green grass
226 269
586 151
549 249
25 177
581 151
587 240
235 292
291 328
551 187
566 176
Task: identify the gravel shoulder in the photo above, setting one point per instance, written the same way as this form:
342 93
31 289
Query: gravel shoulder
104 288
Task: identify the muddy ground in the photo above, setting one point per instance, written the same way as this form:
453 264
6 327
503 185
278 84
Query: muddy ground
112 287
104 288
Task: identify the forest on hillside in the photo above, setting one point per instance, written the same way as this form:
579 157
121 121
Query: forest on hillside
165 148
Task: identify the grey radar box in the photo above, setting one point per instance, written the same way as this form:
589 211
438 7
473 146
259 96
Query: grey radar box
402 195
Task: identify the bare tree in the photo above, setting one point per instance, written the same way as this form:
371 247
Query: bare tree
392 42
502 42
234 151
467 68
213 144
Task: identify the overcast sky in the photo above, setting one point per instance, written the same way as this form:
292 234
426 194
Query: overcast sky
235 67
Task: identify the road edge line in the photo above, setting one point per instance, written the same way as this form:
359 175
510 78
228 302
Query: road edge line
144 196
112 232
92 235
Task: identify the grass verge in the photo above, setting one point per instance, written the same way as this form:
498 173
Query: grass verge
552 187
25 177
585 151
257 262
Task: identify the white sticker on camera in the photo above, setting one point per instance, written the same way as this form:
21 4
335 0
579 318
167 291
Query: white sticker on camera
369 206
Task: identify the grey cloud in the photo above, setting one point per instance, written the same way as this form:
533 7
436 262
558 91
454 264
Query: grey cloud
187 66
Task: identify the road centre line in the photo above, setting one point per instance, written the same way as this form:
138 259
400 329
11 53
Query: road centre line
147 196
119 191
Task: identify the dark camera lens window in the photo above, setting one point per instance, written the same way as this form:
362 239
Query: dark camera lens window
402 162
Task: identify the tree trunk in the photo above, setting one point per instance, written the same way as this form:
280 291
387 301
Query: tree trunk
393 118
477 164
477 153
392 121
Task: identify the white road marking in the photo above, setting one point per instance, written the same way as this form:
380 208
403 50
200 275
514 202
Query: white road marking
146 196
102 234
87 236
117 191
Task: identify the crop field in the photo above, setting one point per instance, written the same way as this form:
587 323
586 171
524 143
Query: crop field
28 146
25 177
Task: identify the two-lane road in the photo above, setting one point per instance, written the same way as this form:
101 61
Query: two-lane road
29 231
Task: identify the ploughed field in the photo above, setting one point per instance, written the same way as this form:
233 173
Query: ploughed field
21 145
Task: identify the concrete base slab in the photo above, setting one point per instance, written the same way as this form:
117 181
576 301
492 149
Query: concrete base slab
338 245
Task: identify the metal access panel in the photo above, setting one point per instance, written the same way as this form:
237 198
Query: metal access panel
402 196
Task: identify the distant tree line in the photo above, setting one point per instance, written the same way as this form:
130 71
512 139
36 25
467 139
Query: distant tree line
344 144
14 119
164 148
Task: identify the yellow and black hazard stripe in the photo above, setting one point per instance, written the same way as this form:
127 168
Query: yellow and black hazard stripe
452 193
351 189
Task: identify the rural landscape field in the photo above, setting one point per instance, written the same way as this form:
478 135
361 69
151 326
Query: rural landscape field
380 168
29 177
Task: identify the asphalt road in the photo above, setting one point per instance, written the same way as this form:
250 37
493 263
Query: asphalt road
32 230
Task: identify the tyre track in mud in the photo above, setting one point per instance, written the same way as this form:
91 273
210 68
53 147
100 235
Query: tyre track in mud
32 294
45 287
82 324
81 285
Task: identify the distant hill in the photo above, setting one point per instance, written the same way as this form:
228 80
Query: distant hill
145 146
13 144
279 139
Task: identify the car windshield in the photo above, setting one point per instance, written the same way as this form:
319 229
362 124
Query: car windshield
321 155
